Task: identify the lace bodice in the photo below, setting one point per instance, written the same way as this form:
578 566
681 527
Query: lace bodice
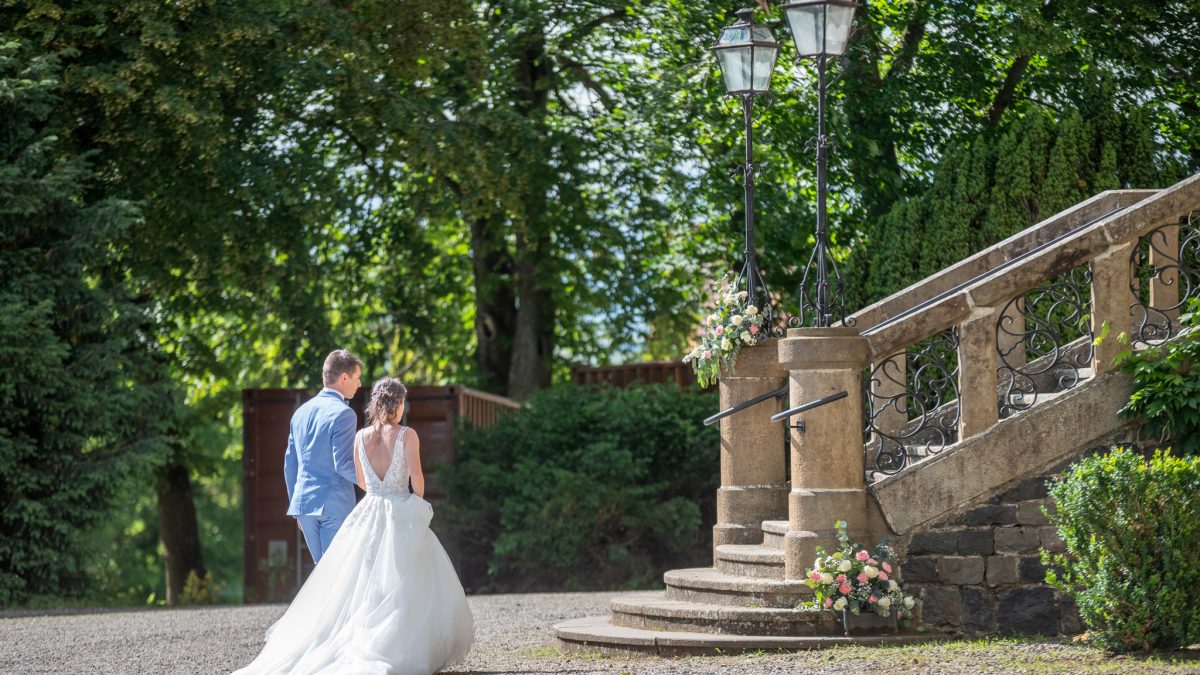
395 479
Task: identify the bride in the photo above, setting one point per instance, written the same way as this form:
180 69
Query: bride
384 598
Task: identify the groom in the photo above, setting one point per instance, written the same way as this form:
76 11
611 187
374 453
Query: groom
319 464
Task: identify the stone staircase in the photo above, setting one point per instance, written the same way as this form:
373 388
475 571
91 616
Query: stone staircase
1001 402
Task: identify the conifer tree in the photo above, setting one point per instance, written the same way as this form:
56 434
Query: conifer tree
73 430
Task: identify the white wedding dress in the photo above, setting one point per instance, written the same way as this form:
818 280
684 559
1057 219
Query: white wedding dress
383 599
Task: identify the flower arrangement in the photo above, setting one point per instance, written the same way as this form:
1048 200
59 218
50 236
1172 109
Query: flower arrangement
858 580
734 323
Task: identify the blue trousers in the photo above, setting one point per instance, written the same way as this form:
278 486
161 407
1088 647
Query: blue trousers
319 532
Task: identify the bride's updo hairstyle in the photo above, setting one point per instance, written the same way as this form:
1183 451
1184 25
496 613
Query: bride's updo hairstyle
387 397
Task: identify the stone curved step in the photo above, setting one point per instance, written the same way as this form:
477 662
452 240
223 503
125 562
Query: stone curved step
597 633
754 560
654 611
773 533
710 586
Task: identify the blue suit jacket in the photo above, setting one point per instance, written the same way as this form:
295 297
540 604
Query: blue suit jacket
319 464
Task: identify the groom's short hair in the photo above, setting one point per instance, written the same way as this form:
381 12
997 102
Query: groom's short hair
339 361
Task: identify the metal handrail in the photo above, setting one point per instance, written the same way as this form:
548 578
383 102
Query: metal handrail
808 406
782 391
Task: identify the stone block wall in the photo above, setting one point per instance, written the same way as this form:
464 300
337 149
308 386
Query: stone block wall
980 571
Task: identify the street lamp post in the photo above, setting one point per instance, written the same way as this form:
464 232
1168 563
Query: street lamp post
746 53
821 29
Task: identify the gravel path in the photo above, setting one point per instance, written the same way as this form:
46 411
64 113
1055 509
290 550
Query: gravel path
513 635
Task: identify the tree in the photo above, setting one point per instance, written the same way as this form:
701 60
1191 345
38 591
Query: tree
77 394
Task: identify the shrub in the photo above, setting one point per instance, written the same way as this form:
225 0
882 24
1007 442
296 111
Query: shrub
583 489
1166 387
1133 544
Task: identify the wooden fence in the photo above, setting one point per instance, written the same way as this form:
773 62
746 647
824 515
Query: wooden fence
648 372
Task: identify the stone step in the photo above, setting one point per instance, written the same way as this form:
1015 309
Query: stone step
710 586
755 560
597 634
773 533
654 611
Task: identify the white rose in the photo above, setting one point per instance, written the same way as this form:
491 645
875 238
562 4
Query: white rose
885 602
726 344
747 337
826 578
870 571
743 294
840 604
892 585
909 602
737 319
845 566
751 310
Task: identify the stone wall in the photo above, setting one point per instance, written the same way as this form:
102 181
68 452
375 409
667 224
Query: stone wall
980 571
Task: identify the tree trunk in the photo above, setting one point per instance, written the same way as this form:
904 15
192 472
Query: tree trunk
179 531
495 303
533 341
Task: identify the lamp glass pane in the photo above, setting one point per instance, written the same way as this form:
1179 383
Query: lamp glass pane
735 66
734 35
840 19
764 64
807 23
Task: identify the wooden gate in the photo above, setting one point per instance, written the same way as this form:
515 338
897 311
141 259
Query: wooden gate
276 561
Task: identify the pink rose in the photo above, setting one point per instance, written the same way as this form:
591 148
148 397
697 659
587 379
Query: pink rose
872 599
871 562
863 578
707 354
754 329
828 602
883 576
720 330
841 578
814 575
862 555
887 568
844 588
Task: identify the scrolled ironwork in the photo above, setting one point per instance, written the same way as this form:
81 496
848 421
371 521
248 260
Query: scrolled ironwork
1048 351
917 390
1168 260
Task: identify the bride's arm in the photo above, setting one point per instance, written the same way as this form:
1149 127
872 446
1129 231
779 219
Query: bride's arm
412 452
358 471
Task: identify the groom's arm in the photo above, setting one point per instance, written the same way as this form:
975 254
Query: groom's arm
291 466
343 444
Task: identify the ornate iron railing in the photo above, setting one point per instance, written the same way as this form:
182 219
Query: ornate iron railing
1038 340
1164 275
912 403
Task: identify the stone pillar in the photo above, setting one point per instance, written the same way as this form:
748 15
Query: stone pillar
1164 287
827 457
1011 340
1111 301
753 472
978 407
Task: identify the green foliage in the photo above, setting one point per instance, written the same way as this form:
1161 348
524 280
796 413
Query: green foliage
1166 387
77 421
199 591
1132 541
999 184
583 489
